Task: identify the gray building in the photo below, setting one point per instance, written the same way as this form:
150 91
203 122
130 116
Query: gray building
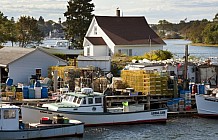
20 64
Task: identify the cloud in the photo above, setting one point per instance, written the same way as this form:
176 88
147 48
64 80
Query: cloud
153 10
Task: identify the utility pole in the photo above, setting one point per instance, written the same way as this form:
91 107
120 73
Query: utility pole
185 79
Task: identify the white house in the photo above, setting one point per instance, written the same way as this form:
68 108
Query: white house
108 35
20 63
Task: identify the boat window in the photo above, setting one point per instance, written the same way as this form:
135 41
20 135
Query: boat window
79 100
74 100
84 100
90 100
97 100
9 114
0 114
67 98
71 99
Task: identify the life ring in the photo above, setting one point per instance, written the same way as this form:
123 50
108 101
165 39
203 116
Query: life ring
94 109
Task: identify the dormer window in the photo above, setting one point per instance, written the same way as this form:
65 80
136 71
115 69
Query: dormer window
88 51
95 30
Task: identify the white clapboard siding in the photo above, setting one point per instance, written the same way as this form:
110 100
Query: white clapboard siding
22 69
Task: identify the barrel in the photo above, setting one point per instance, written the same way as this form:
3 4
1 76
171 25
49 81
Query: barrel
37 92
31 93
9 82
44 92
201 89
194 89
175 104
25 91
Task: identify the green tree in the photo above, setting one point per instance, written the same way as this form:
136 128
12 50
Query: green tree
78 18
210 34
158 55
216 17
11 31
28 31
3 31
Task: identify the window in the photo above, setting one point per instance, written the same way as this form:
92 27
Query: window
88 51
79 100
90 100
74 100
67 98
0 114
97 100
71 99
9 114
128 52
95 30
84 100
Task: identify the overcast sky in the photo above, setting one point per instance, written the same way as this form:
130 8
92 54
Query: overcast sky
153 10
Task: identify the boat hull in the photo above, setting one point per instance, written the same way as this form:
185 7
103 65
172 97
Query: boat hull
48 132
206 106
32 114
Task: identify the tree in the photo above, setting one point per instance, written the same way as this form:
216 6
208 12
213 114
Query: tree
158 55
11 31
28 31
3 32
78 18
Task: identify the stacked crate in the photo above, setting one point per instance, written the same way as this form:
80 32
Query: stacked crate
145 81
164 86
19 96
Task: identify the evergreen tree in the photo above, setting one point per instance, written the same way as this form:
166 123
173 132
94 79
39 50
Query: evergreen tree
11 31
28 31
3 31
78 18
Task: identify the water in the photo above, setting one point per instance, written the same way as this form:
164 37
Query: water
177 47
175 129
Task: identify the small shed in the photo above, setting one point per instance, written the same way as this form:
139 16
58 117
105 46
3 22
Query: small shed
102 62
20 64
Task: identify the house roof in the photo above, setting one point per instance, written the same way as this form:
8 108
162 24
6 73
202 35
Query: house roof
96 40
11 54
128 30
93 58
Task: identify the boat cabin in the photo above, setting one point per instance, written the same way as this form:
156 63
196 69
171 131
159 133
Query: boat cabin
9 117
61 44
84 101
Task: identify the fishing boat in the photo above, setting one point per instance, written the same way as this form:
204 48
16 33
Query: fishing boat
207 105
90 107
12 128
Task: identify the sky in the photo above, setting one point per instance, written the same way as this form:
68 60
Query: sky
153 10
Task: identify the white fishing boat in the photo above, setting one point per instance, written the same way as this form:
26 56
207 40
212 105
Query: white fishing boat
12 128
90 108
207 105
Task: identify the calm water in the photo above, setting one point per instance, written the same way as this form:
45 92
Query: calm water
174 129
177 47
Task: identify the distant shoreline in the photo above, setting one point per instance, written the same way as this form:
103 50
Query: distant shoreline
198 44
206 45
